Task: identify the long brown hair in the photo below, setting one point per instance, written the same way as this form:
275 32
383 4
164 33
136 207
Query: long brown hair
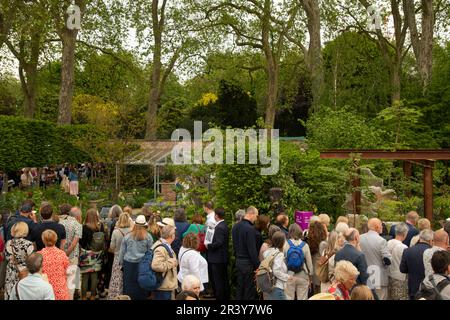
92 221
316 234
139 233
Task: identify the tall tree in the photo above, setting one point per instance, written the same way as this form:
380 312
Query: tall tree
171 38
26 42
8 12
314 58
68 37
394 50
263 26
422 42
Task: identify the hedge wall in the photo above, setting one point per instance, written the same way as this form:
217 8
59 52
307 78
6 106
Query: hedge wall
37 143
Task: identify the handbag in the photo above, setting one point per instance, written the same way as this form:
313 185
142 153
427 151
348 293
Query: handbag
321 270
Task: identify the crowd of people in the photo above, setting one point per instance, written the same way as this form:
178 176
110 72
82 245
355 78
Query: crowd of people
60 257
67 176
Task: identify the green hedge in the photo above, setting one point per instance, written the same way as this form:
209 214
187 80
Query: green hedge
37 143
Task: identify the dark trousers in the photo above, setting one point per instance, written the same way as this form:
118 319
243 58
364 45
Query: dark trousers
219 277
162 295
131 286
245 286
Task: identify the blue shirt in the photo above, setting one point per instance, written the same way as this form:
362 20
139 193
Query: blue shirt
33 287
133 250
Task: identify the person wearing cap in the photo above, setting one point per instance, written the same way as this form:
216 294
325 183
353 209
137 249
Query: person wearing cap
26 215
165 262
133 248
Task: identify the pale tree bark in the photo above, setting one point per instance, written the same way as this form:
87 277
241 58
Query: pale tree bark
314 58
272 60
270 41
6 18
155 94
422 42
28 63
393 61
159 72
68 39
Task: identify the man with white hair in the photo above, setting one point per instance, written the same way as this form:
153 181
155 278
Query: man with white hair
440 243
412 262
411 220
378 257
351 252
397 289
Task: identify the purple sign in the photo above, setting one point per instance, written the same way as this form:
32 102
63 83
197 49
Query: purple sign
302 218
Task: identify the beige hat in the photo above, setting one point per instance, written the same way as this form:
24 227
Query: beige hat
322 296
140 221
166 222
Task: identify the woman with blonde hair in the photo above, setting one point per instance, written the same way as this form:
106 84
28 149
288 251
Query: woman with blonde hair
55 264
133 248
16 251
121 229
361 292
327 257
345 274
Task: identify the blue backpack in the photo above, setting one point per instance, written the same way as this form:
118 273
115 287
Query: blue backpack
295 257
149 279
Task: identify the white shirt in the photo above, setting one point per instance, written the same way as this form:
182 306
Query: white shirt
279 267
191 262
33 287
211 220
427 255
396 248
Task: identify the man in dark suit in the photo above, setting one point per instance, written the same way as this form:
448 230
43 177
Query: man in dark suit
218 256
412 262
411 219
351 252
244 244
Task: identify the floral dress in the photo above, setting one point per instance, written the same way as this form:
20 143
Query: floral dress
54 265
17 251
116 284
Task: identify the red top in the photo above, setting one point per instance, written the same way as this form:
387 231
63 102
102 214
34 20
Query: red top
55 264
339 292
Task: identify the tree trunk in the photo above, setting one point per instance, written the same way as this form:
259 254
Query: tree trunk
5 183
272 94
155 85
422 43
314 58
395 82
68 38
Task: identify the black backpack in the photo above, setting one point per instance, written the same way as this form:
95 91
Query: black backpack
432 293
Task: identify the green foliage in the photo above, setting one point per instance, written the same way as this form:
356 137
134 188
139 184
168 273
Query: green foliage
10 95
403 128
171 116
35 143
355 74
234 108
341 129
